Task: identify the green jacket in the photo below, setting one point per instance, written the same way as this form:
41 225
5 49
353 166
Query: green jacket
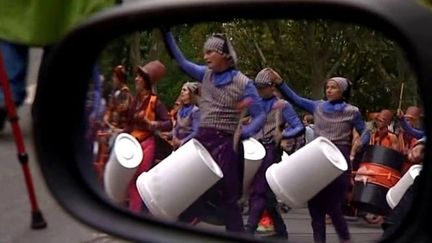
43 22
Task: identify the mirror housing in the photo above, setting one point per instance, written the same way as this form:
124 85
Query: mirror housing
62 165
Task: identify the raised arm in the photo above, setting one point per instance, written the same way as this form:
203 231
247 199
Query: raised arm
193 70
256 112
410 130
305 104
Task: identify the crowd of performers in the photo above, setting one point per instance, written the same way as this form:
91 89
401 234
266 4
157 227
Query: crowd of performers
222 107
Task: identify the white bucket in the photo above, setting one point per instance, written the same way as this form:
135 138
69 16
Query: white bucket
124 159
177 181
254 153
395 194
284 156
306 172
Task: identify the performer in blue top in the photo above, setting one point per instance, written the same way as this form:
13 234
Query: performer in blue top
224 91
334 119
187 116
282 122
407 121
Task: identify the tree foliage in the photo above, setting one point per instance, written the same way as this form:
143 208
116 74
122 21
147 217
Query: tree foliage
304 52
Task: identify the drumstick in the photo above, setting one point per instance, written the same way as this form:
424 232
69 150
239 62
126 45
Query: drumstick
237 133
401 95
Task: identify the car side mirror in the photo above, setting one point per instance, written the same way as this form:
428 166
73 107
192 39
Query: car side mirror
70 75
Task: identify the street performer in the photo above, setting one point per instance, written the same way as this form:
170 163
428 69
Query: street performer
147 115
225 94
115 118
334 119
282 122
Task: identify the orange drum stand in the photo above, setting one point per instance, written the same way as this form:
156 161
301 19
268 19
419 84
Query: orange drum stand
379 170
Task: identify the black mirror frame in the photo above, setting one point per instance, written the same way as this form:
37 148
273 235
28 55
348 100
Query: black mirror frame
406 22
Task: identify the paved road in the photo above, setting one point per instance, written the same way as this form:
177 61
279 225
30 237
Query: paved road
15 207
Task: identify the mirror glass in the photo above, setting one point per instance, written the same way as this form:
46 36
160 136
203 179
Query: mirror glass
219 136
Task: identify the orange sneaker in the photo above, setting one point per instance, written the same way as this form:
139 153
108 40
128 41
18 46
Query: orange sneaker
266 224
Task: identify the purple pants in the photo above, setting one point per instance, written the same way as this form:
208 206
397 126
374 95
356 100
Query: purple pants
329 201
262 197
229 189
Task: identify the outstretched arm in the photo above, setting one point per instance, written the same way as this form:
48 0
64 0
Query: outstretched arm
291 96
191 69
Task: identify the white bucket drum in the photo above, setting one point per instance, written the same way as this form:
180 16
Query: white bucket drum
395 194
124 159
177 181
254 153
306 172
284 156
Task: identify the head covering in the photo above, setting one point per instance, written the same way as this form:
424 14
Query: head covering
344 84
152 71
193 87
341 82
221 44
413 112
264 78
120 72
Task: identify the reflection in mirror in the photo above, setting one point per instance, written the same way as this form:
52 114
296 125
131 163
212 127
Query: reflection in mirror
266 127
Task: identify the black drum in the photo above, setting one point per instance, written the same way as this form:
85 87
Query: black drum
379 170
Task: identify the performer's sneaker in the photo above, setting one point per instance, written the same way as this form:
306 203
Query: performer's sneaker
265 224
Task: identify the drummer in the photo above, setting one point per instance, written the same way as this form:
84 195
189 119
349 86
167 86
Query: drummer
280 114
226 93
380 136
393 221
380 133
147 117
116 115
409 121
409 135
334 119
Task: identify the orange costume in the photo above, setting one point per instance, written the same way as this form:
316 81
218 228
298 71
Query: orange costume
147 115
387 139
382 136
115 118
375 173
407 141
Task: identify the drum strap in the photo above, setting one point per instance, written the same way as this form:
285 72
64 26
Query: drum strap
377 174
